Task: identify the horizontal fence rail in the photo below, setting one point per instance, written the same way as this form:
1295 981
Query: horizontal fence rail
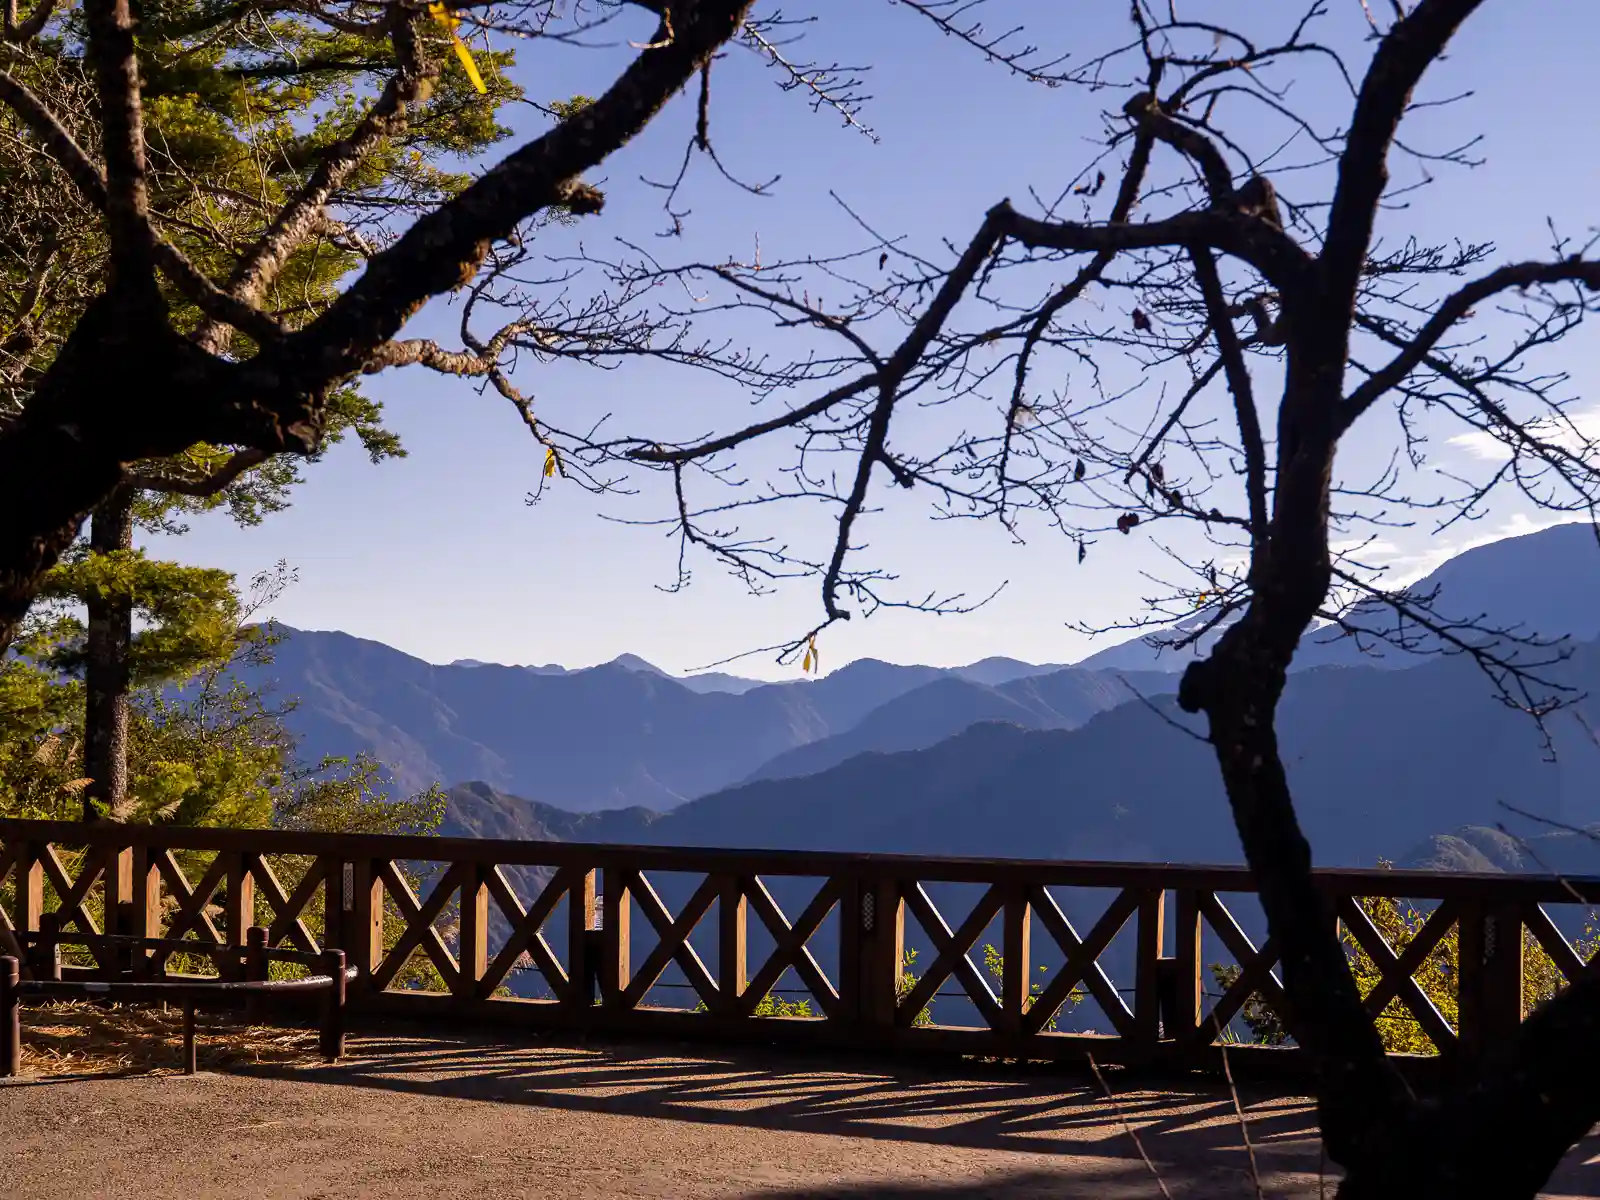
1134 963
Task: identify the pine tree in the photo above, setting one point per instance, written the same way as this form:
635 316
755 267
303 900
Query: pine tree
234 125
203 746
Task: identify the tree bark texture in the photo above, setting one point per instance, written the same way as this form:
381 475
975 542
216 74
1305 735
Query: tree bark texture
106 671
127 387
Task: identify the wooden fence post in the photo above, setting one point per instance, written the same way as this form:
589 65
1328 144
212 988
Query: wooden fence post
145 904
332 1039
1150 951
732 913
616 937
47 949
190 1054
29 874
119 912
473 958
363 932
239 906
10 1017
255 970
338 898
1489 954
881 952
1017 958
585 950
1187 988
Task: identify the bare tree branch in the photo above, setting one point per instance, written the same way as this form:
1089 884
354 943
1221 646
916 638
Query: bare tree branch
303 215
1452 310
1231 355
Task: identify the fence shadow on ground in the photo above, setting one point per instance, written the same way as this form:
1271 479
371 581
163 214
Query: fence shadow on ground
1191 1127
1028 1185
1188 1128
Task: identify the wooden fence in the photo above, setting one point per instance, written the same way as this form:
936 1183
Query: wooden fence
454 928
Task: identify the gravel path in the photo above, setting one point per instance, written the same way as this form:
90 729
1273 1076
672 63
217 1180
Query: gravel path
457 1118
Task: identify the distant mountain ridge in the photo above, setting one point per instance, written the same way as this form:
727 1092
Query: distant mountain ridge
626 735
1380 762
944 707
1484 848
705 681
1493 581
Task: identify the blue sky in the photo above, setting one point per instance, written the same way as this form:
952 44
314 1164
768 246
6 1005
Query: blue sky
440 556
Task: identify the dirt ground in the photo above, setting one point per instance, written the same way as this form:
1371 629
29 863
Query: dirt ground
405 1116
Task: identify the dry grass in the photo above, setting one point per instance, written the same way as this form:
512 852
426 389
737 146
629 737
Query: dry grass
78 1037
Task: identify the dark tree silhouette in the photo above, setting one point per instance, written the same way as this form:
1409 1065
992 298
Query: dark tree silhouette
159 357
1238 237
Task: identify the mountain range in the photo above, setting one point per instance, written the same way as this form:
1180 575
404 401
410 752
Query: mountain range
1380 762
1393 756
625 733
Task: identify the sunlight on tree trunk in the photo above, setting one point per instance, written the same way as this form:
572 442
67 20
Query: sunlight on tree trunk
106 675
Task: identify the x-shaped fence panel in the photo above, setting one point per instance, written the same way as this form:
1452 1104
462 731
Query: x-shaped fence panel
453 909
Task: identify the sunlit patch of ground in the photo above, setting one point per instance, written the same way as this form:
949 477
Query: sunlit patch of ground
76 1037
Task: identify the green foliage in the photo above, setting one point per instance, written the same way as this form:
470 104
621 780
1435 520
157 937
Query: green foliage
773 1005
262 490
776 1006
344 795
240 106
216 754
994 964
565 110
906 983
1437 976
204 750
33 701
186 618
1264 1026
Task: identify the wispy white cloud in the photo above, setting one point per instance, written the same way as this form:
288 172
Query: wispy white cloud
1376 551
1409 568
1581 431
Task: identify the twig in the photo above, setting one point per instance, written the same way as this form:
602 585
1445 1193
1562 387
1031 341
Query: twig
1244 1125
1132 1133
1166 717
1534 854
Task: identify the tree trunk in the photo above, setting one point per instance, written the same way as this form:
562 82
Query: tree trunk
106 674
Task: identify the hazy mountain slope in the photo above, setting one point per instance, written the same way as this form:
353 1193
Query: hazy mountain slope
948 705
998 670
1547 582
603 737
624 733
1380 761
1136 654
847 695
1069 697
1519 848
480 811
921 718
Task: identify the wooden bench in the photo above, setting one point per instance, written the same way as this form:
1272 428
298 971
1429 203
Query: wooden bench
331 980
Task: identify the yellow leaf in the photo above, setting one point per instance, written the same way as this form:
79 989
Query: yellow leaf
813 660
446 18
552 462
805 663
